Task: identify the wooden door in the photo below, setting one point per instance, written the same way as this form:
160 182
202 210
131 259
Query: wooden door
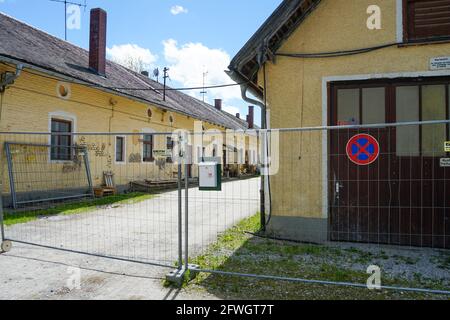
402 197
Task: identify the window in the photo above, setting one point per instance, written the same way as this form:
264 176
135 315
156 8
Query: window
434 107
348 107
361 106
373 105
426 19
148 148
421 103
61 144
408 110
120 149
169 145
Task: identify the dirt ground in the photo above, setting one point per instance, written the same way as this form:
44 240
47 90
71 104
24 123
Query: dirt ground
29 272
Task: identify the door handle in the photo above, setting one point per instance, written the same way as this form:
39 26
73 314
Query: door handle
338 187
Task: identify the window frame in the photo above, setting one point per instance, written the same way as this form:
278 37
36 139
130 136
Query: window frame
170 145
420 85
152 146
407 38
124 148
391 84
58 138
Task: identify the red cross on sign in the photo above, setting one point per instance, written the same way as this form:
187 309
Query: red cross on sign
363 149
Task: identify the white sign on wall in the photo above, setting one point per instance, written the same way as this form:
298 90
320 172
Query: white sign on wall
445 163
440 63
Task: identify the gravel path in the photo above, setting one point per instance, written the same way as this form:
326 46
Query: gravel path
144 232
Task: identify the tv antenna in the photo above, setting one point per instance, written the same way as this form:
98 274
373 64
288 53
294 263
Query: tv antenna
204 92
65 2
166 75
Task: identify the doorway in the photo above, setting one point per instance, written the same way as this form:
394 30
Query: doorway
401 194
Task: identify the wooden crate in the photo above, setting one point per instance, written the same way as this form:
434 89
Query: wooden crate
104 192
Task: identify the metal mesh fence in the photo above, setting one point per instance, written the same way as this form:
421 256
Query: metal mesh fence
339 203
101 194
337 200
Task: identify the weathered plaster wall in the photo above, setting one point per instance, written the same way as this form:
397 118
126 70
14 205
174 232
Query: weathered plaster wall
296 94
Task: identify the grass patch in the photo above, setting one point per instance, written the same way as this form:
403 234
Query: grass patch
238 251
12 218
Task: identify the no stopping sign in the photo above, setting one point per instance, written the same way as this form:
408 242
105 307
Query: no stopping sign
363 149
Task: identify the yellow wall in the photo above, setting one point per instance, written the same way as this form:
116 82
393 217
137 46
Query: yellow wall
27 105
294 90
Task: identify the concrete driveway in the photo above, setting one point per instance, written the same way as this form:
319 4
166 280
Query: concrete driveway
145 232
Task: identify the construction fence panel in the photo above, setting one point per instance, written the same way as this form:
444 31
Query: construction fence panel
337 201
109 195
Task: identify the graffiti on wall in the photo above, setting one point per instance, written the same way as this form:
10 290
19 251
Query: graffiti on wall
97 149
135 158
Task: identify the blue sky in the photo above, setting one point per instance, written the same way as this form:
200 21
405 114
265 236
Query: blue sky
189 36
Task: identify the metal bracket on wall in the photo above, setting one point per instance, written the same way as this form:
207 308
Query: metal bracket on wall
8 78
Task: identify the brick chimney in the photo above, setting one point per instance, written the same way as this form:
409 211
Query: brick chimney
218 104
97 41
251 117
238 115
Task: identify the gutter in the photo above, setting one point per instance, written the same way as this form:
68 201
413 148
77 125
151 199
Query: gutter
246 87
8 78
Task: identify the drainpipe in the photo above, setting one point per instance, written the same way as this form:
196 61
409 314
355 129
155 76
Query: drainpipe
263 106
244 89
8 78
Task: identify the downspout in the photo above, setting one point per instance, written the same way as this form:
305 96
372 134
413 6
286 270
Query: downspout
262 106
7 79
235 75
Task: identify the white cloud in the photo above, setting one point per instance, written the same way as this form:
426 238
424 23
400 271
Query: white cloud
176 10
132 56
188 62
232 110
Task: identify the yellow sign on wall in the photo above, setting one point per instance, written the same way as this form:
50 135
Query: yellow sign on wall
447 146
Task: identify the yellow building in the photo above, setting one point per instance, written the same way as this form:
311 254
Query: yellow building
342 62
50 85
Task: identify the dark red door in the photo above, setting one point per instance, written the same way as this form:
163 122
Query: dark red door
403 196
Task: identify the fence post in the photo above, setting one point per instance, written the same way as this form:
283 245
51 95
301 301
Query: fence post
88 172
180 208
177 277
5 245
2 228
11 175
186 215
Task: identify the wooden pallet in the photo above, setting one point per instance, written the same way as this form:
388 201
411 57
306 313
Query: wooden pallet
109 188
104 192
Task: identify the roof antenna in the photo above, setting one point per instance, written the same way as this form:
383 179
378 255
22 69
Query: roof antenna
165 78
65 2
204 92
